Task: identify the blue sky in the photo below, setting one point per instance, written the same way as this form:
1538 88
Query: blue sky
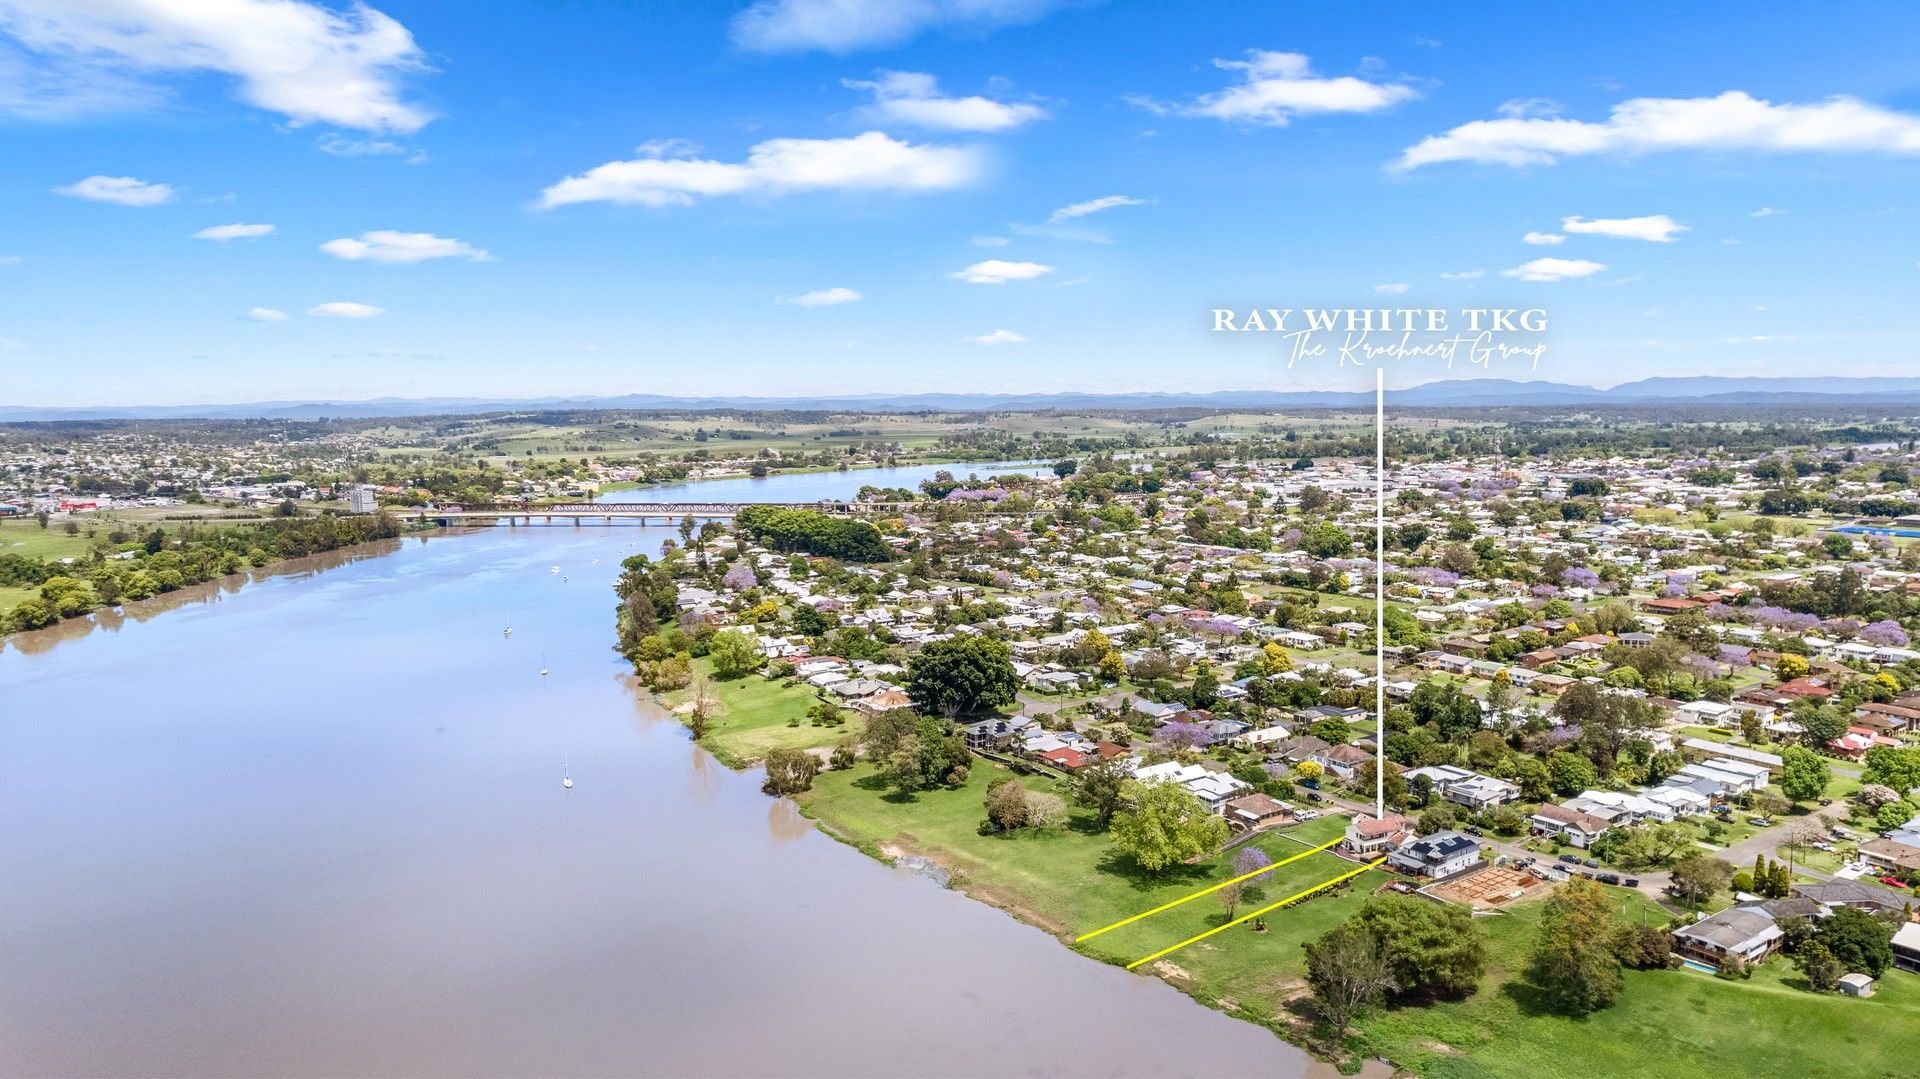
602 198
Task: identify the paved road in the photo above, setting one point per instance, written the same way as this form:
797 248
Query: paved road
1653 883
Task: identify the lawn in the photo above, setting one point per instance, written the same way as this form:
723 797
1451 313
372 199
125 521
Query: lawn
25 537
1669 1023
754 718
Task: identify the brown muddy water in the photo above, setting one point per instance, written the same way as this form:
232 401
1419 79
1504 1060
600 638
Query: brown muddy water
314 825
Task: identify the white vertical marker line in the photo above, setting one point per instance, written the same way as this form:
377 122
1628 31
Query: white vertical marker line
1379 592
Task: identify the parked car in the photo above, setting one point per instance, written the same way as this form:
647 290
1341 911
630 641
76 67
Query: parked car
1591 864
1570 859
1632 882
1760 822
1608 878
1471 830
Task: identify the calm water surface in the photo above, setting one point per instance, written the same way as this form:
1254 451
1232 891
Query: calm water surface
315 825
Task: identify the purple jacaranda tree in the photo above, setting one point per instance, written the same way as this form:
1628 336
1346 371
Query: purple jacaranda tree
1250 860
1885 633
1178 735
740 577
1580 577
1545 591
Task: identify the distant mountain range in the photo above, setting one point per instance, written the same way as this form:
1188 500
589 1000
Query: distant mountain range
1453 393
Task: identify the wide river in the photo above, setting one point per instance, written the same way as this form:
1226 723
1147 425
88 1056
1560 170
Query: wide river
314 825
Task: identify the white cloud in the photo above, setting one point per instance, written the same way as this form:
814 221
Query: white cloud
1274 87
909 97
867 162
233 232
340 146
345 309
1544 239
843 26
998 337
124 190
1734 120
1552 269
990 241
1463 275
999 272
385 245
1094 206
304 61
1393 289
1657 228
1766 211
270 314
826 297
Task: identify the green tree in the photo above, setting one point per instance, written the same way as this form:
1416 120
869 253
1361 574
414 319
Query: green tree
1697 878
1006 804
1435 948
1100 787
1816 961
790 771
1348 971
1819 723
1327 540
1573 963
962 675
1161 824
1803 774
1570 774
1858 940
733 654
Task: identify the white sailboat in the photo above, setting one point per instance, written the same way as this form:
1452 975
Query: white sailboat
566 774
543 664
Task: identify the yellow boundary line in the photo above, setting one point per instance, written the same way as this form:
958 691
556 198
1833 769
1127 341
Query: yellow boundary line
1270 867
1255 914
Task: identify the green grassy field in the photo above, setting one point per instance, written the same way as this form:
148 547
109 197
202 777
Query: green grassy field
1666 1023
27 538
1676 1024
754 714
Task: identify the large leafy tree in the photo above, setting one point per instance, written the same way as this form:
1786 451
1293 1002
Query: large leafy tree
1435 948
1161 825
962 675
1573 963
733 654
1447 708
1860 941
1349 970
1101 788
1697 878
1803 774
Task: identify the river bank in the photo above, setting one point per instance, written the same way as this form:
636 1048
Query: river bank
1069 881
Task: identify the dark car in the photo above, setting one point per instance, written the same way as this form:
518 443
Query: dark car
1632 882
1313 797
1608 878
1471 830
1570 859
1591 864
